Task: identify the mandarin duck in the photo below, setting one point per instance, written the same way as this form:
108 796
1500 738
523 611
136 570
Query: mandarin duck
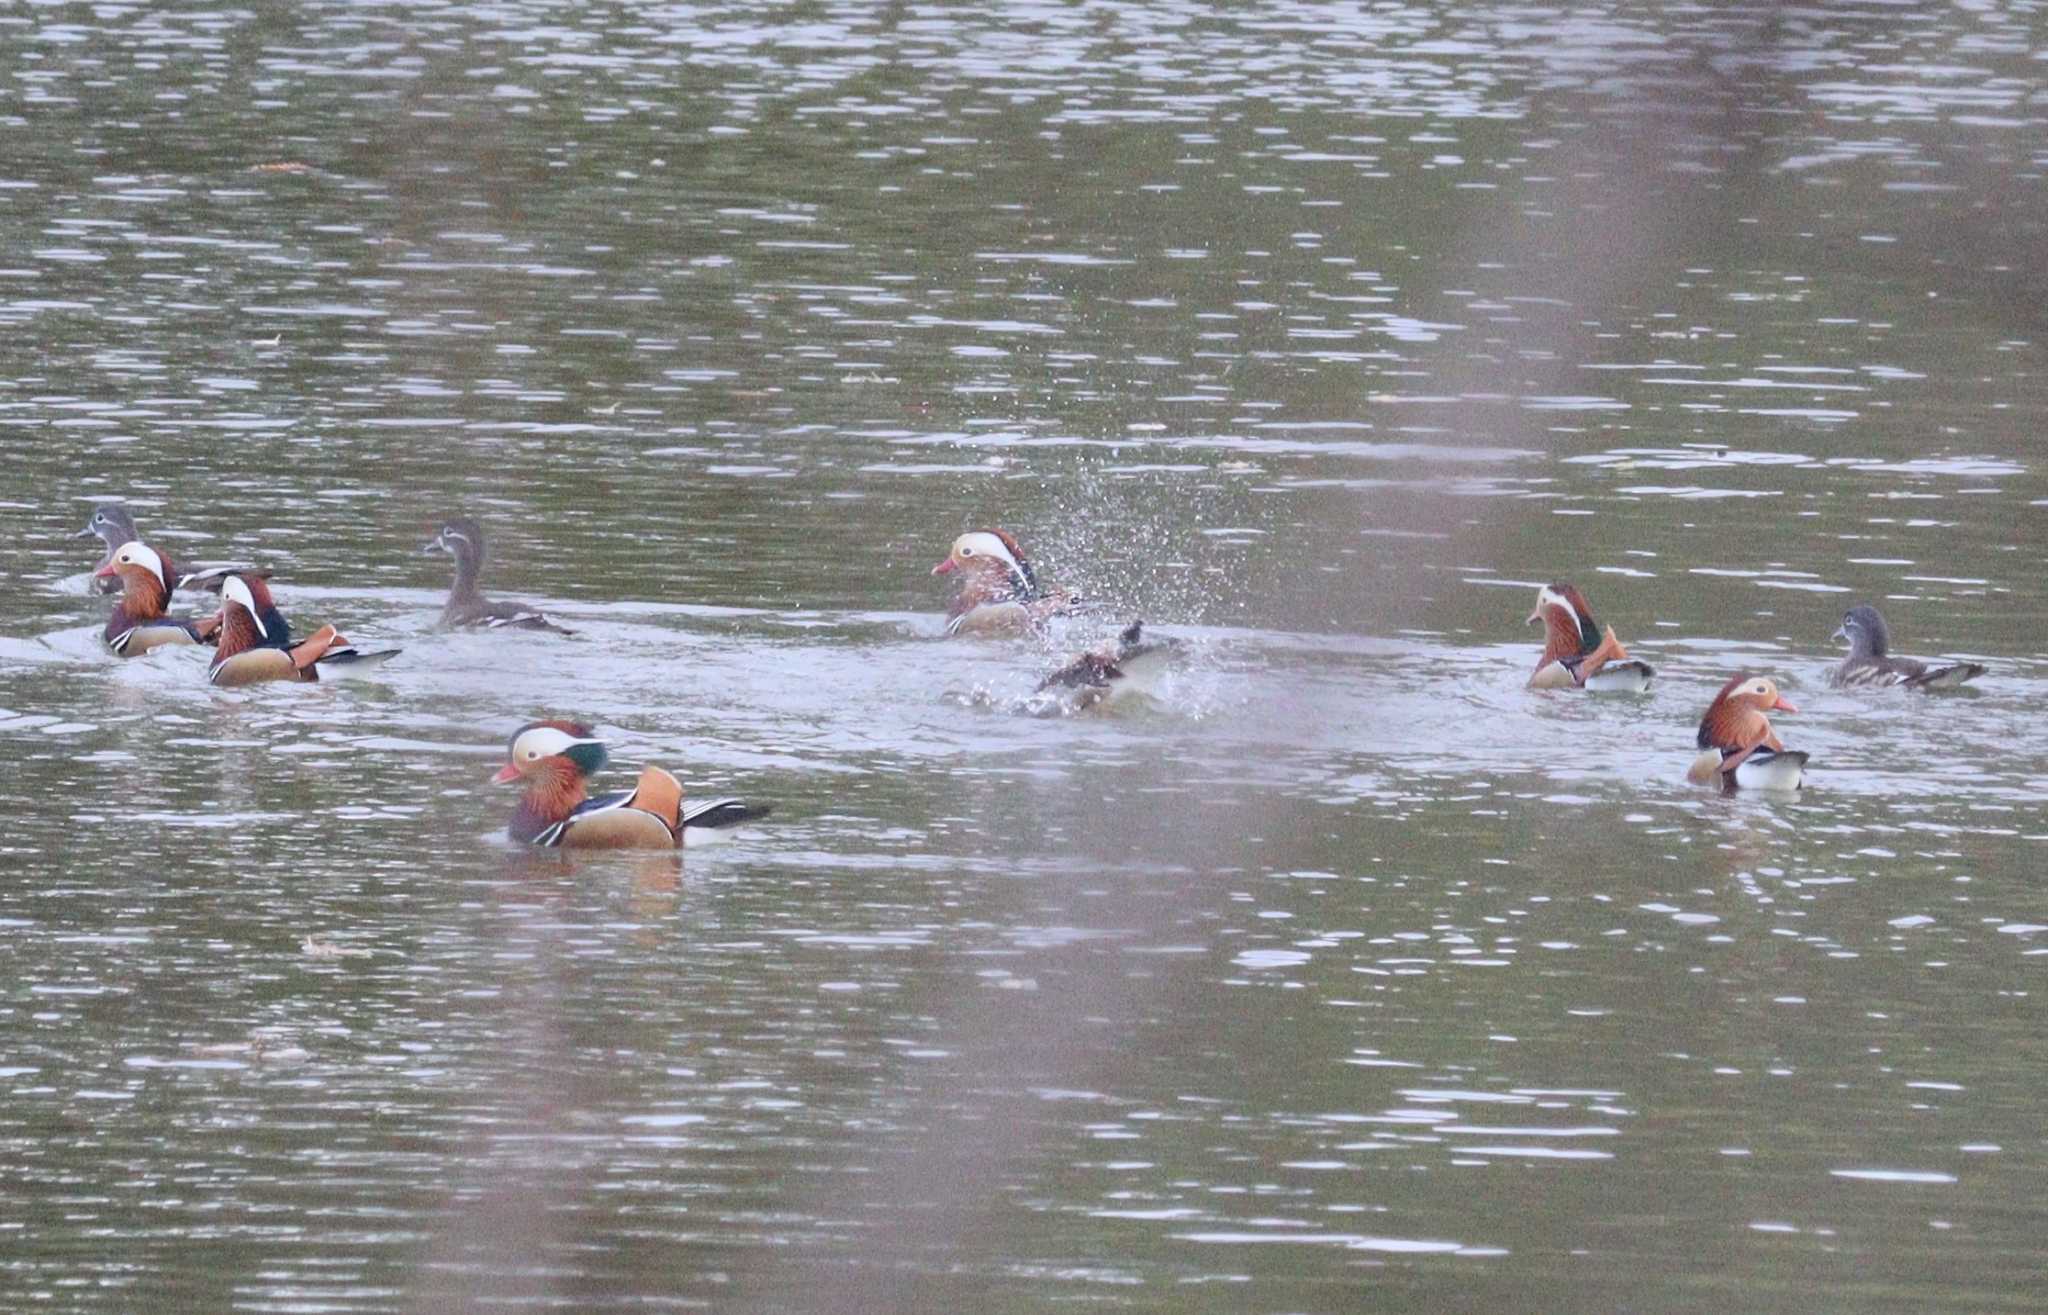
999 593
114 525
556 758
141 621
256 641
1576 653
463 539
1132 665
1869 663
1738 746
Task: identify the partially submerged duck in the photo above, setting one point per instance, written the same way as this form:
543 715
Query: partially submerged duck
556 759
1737 744
114 524
1870 662
999 593
141 621
1576 653
463 539
256 641
1132 665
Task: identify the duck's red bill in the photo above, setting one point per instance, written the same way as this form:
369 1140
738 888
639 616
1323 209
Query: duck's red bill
506 774
1783 705
946 567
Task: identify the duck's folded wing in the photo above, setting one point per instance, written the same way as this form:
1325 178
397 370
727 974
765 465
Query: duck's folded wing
719 813
1876 673
610 821
1948 677
501 615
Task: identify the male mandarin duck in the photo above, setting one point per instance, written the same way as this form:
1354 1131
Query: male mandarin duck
1738 746
556 758
256 641
1576 654
1132 665
1869 662
141 621
463 539
999 593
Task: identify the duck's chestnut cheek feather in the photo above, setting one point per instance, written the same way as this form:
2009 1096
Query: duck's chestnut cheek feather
506 774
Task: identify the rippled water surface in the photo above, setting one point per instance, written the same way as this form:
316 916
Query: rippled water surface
1341 972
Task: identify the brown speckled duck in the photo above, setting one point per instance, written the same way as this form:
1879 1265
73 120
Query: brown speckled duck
1870 662
256 642
999 593
463 539
115 525
1132 665
1576 653
556 758
1737 744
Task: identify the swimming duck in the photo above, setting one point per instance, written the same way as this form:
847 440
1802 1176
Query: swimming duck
999 593
463 539
555 758
1868 663
114 525
256 642
141 621
1738 746
1576 654
1131 665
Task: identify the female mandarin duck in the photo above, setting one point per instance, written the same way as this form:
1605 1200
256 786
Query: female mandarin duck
999 593
1868 662
1576 654
1133 665
555 758
463 539
115 526
141 621
1738 746
256 641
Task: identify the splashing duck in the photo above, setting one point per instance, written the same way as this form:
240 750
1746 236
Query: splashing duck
556 758
1132 665
999 593
1576 653
256 641
463 539
1870 663
141 621
1737 744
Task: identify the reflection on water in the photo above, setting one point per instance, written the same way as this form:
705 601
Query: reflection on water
1340 962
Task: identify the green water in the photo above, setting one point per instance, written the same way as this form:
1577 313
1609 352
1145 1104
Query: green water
1343 974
